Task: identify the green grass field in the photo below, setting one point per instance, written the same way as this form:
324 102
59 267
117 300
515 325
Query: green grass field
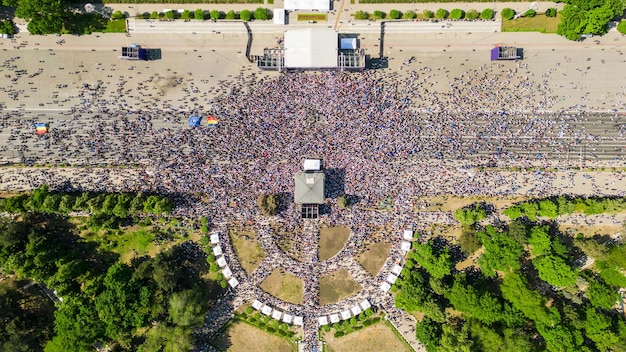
284 286
332 240
248 249
374 257
337 286
539 23
242 337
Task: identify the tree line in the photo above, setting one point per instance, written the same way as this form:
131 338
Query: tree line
120 205
149 304
553 207
526 291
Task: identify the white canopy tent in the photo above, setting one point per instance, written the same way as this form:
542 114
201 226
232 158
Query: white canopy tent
334 318
233 282
276 314
385 286
345 315
323 320
279 16
297 320
221 262
397 269
365 304
405 246
215 238
319 5
312 165
217 251
408 234
227 272
257 304
287 318
356 310
391 278
267 310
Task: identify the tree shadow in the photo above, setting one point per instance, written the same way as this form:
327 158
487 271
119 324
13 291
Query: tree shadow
334 183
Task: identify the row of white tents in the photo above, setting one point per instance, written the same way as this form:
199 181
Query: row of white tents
405 247
221 261
277 314
345 314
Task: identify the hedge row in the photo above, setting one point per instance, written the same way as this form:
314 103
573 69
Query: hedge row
267 324
165 2
553 207
424 1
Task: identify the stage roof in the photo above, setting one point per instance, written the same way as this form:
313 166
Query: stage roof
309 188
320 5
311 48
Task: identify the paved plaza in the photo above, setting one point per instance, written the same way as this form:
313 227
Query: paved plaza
452 122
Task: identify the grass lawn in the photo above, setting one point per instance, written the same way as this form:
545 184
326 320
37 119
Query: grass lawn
116 26
248 249
284 286
242 337
337 286
332 240
374 257
375 338
311 17
539 23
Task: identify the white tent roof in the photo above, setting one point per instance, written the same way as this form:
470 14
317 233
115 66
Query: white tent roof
233 282
345 315
385 286
356 310
311 48
365 304
279 16
334 318
256 304
227 272
405 246
297 321
287 318
323 320
267 310
408 234
397 269
347 43
221 262
312 165
321 5
215 238
276 314
391 278
217 250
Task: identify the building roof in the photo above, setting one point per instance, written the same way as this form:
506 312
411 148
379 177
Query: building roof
309 188
320 5
311 48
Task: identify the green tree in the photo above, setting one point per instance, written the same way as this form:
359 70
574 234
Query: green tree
379 14
442 14
170 15
508 13
428 14
546 207
611 275
231 15
555 271
215 15
187 308
409 14
621 27
515 290
601 295
342 201
598 329
116 15
260 14
44 16
530 13
560 337
154 15
486 14
518 231
186 15
501 251
472 14
468 241
540 241
551 12
454 339
245 15
198 14
395 14
467 299
361 15
457 14
437 263
428 332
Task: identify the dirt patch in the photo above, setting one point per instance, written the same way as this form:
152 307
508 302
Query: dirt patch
247 248
374 257
590 231
452 203
337 286
241 337
284 286
375 338
332 240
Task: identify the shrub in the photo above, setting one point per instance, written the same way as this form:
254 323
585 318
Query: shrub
245 15
223 284
186 15
170 15
621 27
260 14
442 14
145 15
429 14
508 13
353 320
198 14
472 15
117 15
215 15
361 15
395 14
326 328
339 333
530 13
457 14
551 12
231 15
487 14
410 14
379 14
154 15
249 310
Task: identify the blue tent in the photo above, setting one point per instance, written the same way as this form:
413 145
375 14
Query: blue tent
194 121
